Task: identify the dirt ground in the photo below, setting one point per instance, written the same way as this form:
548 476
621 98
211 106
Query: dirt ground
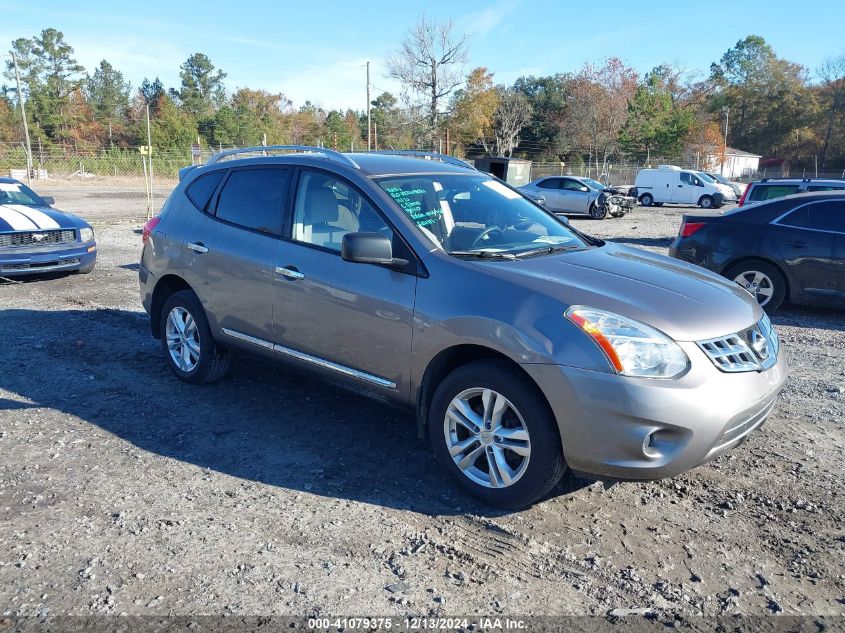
123 490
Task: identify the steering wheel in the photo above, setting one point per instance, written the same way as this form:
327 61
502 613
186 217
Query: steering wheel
485 235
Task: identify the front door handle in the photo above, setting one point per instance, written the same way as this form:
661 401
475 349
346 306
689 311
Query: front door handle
679 186
290 273
198 247
798 244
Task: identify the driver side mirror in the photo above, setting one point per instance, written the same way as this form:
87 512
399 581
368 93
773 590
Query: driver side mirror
368 248
584 188
49 200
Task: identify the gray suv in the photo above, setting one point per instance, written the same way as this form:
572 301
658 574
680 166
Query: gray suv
525 347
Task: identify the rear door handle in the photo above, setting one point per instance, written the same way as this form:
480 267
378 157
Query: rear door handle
198 247
798 244
290 273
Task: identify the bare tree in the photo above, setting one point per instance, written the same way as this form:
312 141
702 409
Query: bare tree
430 66
832 72
512 114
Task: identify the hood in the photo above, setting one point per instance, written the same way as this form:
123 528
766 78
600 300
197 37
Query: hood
21 217
686 302
727 191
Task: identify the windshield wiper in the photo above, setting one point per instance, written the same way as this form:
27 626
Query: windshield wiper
545 250
483 254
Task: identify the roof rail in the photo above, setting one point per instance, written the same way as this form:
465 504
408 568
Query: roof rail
328 153
415 153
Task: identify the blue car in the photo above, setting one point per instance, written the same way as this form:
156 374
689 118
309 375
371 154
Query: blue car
36 238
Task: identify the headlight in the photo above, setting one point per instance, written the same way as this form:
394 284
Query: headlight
633 348
86 235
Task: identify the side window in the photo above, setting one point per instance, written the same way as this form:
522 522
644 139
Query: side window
252 198
571 185
797 218
769 192
686 178
549 183
200 191
327 208
827 216
825 187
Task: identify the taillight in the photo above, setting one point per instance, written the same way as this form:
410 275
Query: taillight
688 228
148 228
744 193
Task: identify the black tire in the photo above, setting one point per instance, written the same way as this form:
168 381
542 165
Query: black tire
597 212
646 200
775 277
707 202
545 465
214 361
87 270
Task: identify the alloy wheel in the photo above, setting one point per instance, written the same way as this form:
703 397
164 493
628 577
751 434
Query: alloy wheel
183 340
758 284
487 438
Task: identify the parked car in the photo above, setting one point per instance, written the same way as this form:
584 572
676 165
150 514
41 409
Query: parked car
524 346
571 194
670 184
786 249
772 188
36 238
738 187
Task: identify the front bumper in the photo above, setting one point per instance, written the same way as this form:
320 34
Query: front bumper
14 263
617 427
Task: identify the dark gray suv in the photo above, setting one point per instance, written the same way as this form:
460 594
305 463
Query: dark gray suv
524 346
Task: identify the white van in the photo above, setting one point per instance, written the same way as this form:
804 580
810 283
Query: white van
671 184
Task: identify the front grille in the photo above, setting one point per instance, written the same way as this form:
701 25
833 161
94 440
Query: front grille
753 349
37 238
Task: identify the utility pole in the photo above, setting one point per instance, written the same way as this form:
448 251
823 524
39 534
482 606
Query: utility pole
375 135
25 125
369 124
722 168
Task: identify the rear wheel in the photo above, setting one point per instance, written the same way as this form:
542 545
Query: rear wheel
191 351
493 432
765 282
646 200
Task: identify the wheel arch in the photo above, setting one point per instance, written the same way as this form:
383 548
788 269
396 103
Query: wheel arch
450 359
165 287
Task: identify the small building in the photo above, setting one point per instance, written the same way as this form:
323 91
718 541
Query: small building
737 163
514 171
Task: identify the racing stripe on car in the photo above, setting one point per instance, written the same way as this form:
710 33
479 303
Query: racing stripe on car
39 218
16 221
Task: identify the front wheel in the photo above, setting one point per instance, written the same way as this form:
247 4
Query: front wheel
646 200
493 432
706 202
762 280
598 212
191 351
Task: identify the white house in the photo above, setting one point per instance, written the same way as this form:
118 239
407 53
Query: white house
737 163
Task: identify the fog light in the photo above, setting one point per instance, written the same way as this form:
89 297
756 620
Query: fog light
649 448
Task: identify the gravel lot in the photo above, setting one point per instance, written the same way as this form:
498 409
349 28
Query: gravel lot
123 490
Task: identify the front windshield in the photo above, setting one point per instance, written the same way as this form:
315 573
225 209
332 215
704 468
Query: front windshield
593 184
706 177
719 178
473 214
15 193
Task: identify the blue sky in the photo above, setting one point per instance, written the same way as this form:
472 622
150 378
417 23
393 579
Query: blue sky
317 50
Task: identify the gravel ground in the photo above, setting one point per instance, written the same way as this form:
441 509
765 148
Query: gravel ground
123 490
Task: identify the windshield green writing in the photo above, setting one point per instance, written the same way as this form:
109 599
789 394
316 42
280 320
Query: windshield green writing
414 207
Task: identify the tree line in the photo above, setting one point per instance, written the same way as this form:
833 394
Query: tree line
602 112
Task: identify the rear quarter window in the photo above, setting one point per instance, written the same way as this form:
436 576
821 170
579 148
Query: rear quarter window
770 192
200 191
